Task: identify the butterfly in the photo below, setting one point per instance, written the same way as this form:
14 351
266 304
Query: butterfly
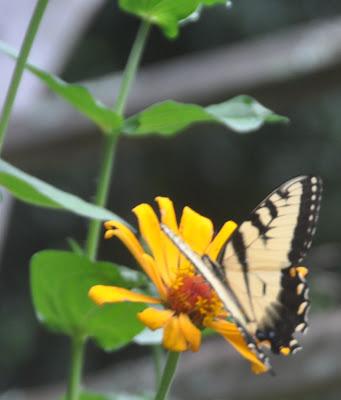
257 275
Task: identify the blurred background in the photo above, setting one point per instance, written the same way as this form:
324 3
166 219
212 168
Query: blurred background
288 56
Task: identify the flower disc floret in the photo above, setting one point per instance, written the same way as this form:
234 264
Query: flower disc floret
192 295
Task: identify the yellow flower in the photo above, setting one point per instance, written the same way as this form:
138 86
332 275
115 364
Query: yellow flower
189 302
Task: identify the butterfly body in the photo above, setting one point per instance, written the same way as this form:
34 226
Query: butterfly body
257 275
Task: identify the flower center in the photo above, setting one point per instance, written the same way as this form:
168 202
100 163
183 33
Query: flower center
192 295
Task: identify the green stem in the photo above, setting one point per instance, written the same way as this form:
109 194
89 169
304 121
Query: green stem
20 65
111 140
168 375
157 358
131 67
102 193
77 357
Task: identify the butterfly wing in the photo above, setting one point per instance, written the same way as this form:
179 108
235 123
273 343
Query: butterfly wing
259 262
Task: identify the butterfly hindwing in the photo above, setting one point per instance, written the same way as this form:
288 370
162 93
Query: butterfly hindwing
260 259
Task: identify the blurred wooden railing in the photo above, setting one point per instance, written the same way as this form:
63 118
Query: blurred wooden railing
218 372
299 61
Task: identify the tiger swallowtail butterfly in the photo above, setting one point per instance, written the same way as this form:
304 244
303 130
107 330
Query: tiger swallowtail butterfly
257 275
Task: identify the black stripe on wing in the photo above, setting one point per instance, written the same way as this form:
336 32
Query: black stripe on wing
262 228
307 218
303 229
240 249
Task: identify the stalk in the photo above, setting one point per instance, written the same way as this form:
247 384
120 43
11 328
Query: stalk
77 360
19 67
167 376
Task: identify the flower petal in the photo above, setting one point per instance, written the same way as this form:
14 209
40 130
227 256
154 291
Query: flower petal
220 239
151 233
127 237
168 217
231 333
102 294
155 319
196 231
190 331
155 275
173 337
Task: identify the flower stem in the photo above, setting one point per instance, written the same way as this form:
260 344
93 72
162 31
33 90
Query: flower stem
131 67
20 65
168 375
110 143
77 357
157 353
109 150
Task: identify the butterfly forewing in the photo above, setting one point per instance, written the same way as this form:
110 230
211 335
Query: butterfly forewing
258 261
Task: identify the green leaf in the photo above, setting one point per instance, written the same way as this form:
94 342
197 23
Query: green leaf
166 14
215 2
78 96
34 191
241 114
60 282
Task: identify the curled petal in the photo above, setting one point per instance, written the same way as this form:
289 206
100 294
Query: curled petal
168 217
173 337
231 333
127 237
220 239
191 333
151 233
101 294
155 319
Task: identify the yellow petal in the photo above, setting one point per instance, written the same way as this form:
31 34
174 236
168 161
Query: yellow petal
111 224
128 239
101 294
151 233
168 217
220 239
231 333
196 231
145 260
190 331
154 275
173 337
155 319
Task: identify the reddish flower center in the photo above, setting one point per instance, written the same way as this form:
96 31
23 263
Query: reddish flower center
192 295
